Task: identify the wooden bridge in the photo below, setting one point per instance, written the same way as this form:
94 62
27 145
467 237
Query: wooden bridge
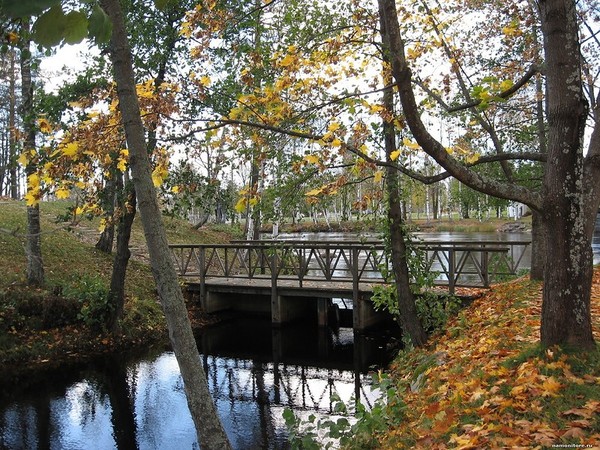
244 275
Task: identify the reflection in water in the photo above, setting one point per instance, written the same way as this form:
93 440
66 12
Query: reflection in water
254 372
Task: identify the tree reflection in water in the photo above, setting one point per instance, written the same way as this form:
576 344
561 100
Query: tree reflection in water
254 372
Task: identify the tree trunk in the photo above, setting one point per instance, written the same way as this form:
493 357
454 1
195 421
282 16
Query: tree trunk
409 320
566 315
12 114
539 236
35 265
116 294
107 237
210 432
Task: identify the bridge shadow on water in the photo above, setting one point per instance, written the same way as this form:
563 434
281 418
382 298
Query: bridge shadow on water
254 372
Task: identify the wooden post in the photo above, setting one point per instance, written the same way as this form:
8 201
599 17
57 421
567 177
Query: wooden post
275 299
357 305
451 270
202 269
485 267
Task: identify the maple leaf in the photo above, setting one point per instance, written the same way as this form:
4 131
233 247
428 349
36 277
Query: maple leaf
395 155
550 387
311 159
44 125
574 432
23 160
63 192
410 144
70 149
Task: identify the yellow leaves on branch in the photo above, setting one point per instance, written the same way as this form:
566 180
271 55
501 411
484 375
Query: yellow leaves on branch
44 125
460 151
248 198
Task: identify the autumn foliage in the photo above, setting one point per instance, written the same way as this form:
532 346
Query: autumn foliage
486 383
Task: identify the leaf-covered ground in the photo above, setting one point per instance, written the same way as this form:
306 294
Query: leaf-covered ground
485 383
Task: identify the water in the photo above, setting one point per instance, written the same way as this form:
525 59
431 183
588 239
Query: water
448 236
254 372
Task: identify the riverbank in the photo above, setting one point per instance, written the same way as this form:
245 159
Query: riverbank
486 383
56 324
503 225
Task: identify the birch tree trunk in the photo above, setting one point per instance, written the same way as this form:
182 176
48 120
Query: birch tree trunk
210 432
33 245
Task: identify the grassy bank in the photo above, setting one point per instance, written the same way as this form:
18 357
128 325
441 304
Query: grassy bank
55 324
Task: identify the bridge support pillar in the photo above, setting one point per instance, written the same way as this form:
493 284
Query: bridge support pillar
364 314
286 309
322 312
215 302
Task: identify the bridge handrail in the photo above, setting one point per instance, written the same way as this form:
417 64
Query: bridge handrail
285 259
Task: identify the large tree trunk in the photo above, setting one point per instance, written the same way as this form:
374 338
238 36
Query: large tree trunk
566 315
568 274
33 247
211 434
539 236
409 320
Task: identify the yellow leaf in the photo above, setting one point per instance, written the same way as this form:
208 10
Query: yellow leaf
333 126
253 201
63 192
70 149
33 180
44 125
205 81
550 387
378 176
241 204
32 197
395 155
287 61
175 189
102 225
23 160
336 143
506 85
311 159
472 158
410 144
314 192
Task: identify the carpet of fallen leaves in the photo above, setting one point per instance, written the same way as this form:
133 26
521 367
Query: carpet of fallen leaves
486 383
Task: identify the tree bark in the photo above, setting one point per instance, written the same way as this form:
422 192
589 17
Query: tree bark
567 274
210 432
409 320
107 237
33 247
12 114
566 315
539 236
116 294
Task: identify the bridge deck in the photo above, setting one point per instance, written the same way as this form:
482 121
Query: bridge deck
285 286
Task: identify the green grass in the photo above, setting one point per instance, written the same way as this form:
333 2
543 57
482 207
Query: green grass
34 326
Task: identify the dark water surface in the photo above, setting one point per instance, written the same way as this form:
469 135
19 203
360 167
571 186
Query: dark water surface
254 372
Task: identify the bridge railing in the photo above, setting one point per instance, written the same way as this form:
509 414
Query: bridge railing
461 263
